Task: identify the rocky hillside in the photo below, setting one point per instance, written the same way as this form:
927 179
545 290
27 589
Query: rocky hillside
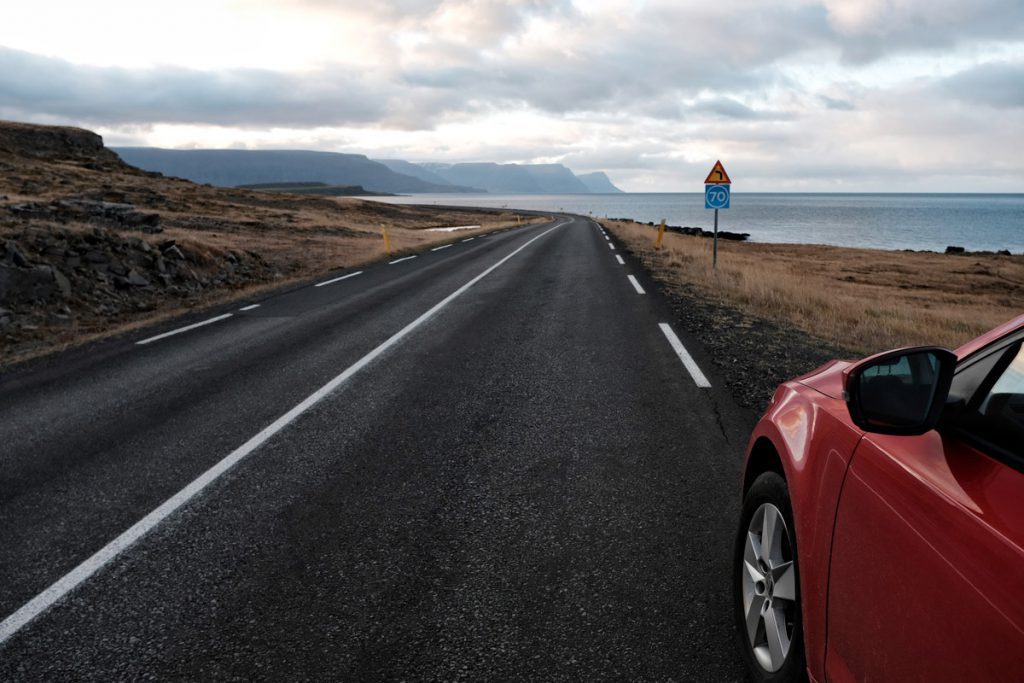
90 245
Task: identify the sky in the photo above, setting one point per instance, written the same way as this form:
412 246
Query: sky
801 95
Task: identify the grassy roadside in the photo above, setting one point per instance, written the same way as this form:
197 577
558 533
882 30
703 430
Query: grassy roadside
858 300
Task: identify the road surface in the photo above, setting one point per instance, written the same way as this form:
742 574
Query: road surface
487 462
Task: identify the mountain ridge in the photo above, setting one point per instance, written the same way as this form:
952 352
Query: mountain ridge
237 167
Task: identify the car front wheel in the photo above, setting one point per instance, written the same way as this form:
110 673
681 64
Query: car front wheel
766 590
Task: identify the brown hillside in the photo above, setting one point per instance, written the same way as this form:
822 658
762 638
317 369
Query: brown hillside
90 246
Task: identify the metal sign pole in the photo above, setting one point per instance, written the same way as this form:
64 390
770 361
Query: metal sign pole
714 257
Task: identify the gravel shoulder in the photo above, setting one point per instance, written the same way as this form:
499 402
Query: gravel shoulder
752 353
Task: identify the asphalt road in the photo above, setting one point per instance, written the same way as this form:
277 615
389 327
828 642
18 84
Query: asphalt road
483 463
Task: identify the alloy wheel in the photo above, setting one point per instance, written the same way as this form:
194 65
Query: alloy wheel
769 587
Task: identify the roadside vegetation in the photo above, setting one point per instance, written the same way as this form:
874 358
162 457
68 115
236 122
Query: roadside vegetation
860 300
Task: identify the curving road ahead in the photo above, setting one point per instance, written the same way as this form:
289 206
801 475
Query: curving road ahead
487 462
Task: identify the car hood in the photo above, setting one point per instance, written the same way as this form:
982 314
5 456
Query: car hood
828 379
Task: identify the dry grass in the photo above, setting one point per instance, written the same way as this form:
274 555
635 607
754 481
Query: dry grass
863 300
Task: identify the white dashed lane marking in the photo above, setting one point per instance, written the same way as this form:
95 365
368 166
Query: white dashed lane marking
338 279
685 357
184 329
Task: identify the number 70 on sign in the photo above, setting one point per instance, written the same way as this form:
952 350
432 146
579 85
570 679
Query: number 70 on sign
716 196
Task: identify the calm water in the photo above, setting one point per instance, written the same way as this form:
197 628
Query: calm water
884 221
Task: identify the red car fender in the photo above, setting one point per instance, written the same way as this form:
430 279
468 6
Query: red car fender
814 439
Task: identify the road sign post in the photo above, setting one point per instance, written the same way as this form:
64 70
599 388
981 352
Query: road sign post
717 195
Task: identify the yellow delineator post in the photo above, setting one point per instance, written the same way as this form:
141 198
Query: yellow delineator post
387 241
661 233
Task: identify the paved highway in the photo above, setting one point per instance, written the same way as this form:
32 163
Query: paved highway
487 462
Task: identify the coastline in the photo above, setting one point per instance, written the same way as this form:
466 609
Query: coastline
930 221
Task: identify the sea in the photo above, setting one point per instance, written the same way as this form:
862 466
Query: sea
926 222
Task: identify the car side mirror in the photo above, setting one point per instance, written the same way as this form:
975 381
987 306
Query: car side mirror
900 392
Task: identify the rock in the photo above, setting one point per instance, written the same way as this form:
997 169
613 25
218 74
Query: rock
14 255
1004 252
117 269
174 252
63 284
6 318
97 256
137 280
954 250
20 284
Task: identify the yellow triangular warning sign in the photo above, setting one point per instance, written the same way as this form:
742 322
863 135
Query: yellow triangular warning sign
718 176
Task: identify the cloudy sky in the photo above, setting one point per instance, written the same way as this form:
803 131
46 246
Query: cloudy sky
821 95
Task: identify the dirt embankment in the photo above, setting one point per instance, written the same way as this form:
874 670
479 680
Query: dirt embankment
90 246
769 312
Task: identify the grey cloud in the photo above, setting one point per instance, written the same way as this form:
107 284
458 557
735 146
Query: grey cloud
836 103
728 108
997 84
868 31
33 85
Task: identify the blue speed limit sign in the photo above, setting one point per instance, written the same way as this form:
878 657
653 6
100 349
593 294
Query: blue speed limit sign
716 196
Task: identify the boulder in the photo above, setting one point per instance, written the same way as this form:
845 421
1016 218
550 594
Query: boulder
13 255
136 280
25 284
954 250
63 284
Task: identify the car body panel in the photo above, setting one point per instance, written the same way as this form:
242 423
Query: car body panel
912 488
927 573
799 427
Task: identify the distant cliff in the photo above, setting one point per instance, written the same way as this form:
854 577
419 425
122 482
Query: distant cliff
234 167
518 178
425 174
598 182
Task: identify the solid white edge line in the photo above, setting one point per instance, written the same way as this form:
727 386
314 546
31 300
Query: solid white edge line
338 279
184 329
684 355
399 260
636 285
619 259
443 246
85 570
249 307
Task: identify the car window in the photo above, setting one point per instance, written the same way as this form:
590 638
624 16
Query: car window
1000 414
900 391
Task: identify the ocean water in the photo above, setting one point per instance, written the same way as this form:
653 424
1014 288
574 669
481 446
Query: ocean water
977 222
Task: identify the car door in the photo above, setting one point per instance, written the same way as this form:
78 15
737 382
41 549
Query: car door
926 578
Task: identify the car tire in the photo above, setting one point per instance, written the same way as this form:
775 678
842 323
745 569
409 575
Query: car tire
766 585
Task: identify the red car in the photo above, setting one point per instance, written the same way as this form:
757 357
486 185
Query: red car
882 529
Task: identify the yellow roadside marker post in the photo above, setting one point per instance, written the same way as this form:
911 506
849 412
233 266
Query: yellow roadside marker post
661 233
387 241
